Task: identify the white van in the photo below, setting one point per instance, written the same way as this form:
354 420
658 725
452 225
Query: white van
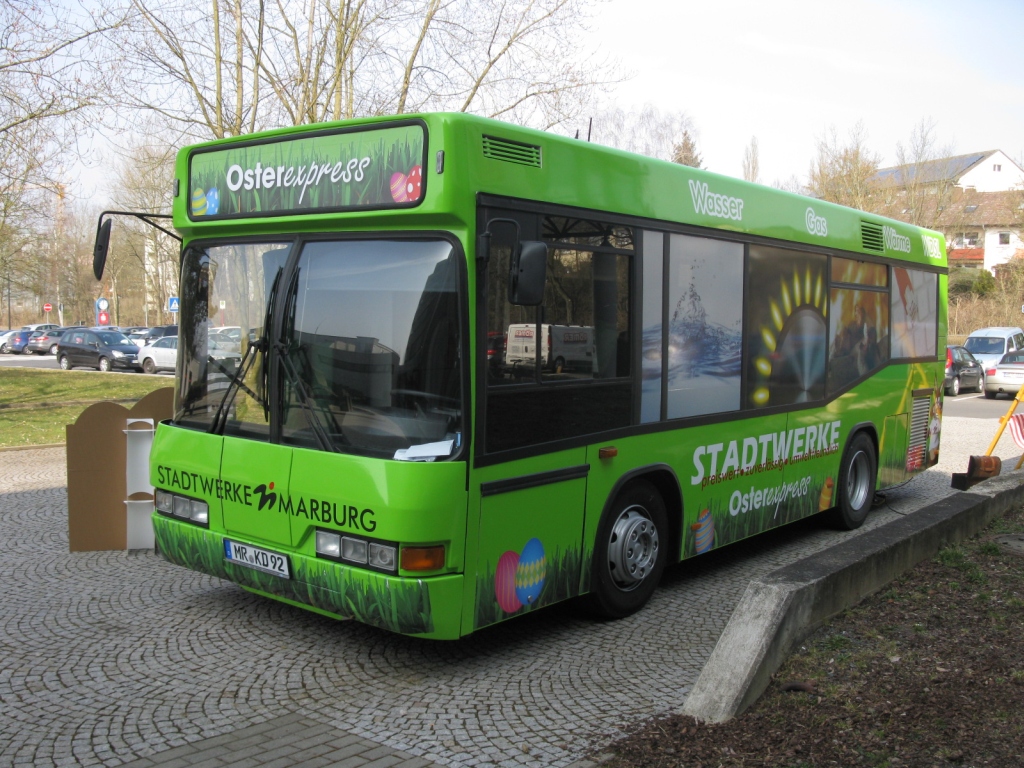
988 345
563 347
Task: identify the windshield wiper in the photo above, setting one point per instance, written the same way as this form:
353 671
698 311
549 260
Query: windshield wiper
259 345
305 398
299 386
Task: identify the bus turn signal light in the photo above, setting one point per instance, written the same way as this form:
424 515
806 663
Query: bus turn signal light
608 452
422 558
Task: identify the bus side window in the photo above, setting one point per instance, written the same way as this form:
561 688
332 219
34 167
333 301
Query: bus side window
786 328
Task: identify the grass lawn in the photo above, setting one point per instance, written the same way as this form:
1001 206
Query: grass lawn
33 386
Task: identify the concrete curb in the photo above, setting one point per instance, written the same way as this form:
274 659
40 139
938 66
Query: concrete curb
33 447
782 608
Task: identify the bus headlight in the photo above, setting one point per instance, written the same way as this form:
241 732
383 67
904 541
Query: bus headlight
164 501
353 550
382 556
328 544
182 507
200 512
171 504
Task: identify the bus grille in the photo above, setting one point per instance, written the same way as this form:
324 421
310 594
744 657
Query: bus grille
511 151
871 237
918 433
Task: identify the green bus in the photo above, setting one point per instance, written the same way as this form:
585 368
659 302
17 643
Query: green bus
696 359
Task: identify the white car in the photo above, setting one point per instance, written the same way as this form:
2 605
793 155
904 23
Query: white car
161 355
4 336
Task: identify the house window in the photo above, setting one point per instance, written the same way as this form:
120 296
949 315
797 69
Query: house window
1004 238
966 240
997 167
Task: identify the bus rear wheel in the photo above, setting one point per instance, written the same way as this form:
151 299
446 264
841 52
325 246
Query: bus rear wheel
630 552
857 475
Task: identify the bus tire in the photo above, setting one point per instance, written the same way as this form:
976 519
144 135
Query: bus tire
630 552
857 476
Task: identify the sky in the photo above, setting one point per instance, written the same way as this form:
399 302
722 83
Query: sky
786 71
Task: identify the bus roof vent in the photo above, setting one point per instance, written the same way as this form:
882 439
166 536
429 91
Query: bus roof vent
871 237
511 151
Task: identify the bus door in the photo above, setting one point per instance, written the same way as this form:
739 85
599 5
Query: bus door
535 419
530 534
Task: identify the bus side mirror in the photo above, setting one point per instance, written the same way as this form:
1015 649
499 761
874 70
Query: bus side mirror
99 250
528 274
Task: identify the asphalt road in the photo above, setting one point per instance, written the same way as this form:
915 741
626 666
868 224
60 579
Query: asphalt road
49 361
28 361
976 406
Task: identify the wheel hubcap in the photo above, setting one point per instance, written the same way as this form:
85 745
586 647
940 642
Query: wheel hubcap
632 548
857 480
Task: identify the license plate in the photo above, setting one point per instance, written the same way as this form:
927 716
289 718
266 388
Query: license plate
254 557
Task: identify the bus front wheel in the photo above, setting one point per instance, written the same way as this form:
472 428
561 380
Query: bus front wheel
857 475
630 552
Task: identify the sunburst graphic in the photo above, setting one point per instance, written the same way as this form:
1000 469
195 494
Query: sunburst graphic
790 358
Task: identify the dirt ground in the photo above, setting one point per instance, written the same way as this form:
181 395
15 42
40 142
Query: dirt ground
928 672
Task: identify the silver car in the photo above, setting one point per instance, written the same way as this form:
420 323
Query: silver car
1007 376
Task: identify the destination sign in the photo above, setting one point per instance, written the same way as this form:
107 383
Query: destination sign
343 170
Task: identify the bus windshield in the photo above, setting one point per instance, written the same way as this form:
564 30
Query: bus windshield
369 348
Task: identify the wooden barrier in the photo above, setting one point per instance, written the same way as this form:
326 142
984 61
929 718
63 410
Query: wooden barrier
98 484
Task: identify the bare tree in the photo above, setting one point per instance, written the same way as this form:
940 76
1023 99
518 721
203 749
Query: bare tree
751 162
647 131
142 268
50 78
236 66
843 172
792 184
685 152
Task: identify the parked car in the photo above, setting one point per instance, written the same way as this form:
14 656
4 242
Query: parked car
1006 376
18 341
161 355
963 371
988 345
150 335
233 331
39 326
4 336
45 342
102 350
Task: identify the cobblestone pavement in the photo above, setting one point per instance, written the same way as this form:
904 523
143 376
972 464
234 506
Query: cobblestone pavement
108 658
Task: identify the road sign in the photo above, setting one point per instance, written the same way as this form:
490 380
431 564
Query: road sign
173 303
47 307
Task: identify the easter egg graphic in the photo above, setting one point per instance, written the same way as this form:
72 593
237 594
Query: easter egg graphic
825 499
198 203
704 532
212 201
414 184
505 582
530 573
398 189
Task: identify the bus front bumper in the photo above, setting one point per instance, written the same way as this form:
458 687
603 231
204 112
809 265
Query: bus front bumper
426 607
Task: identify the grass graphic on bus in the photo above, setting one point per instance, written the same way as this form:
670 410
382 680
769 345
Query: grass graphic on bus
400 605
808 494
561 581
